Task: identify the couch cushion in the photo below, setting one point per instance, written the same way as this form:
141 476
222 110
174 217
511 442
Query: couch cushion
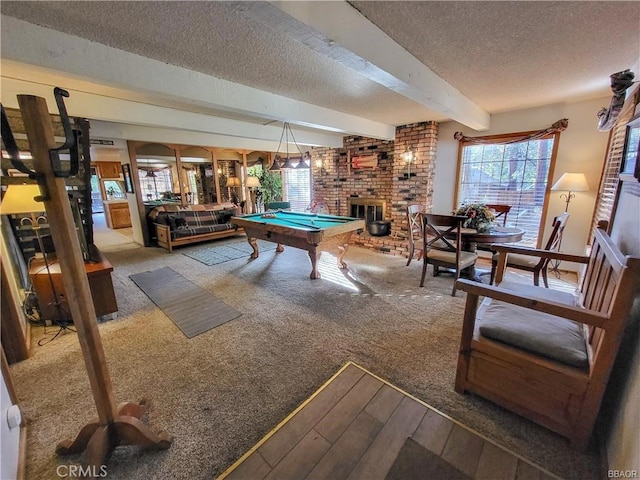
466 258
202 218
546 335
192 231
175 221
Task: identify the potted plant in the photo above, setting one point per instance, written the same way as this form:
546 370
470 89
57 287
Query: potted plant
270 187
479 216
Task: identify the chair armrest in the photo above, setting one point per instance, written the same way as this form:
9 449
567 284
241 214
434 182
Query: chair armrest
538 252
577 314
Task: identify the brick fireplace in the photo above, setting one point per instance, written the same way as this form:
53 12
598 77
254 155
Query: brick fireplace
384 190
369 209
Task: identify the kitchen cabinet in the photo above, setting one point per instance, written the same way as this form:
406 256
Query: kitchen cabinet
109 169
117 214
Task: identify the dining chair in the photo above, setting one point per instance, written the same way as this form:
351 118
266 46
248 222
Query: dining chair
501 212
414 217
533 264
279 206
440 250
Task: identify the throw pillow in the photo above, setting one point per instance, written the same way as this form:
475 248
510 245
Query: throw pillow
176 221
181 223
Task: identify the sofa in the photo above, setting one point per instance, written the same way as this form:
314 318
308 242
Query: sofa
197 223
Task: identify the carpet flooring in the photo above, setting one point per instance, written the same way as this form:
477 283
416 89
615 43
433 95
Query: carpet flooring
215 254
219 393
190 307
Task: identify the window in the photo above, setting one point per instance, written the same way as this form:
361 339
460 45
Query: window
296 185
503 170
608 190
154 183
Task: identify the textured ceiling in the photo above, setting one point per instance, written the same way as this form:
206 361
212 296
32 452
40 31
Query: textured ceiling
510 55
501 55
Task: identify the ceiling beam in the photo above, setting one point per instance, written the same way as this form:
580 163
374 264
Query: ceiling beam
158 83
338 31
126 112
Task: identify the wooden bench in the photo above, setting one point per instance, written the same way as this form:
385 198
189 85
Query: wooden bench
564 397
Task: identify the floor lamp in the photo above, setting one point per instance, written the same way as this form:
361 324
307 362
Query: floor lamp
253 183
232 184
570 183
22 199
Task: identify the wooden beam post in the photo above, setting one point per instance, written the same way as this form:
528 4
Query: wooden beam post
115 425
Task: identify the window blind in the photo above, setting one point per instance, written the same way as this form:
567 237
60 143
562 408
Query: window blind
515 174
296 185
608 189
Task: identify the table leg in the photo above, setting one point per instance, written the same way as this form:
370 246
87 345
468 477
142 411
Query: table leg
254 245
342 250
314 256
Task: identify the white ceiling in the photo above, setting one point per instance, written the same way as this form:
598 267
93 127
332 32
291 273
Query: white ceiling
229 73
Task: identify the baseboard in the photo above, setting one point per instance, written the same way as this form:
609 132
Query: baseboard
22 452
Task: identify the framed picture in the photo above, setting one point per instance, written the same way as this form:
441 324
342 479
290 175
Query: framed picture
126 173
630 164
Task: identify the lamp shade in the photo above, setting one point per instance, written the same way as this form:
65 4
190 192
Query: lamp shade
20 199
253 182
572 182
233 182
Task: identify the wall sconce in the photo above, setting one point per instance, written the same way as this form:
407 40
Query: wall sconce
320 165
409 157
571 182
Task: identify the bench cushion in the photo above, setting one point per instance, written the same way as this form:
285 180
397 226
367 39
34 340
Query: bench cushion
192 231
546 335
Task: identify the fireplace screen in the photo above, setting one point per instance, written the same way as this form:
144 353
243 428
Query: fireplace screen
369 209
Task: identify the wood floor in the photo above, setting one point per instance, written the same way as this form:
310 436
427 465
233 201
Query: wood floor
353 428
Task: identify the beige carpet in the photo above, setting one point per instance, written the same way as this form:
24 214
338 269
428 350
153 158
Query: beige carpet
222 391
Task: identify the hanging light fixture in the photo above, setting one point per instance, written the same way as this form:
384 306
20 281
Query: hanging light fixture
305 161
289 162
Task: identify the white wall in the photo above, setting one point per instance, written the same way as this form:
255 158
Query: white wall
119 153
581 149
9 438
621 416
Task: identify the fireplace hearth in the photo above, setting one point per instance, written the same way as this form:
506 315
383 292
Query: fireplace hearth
369 209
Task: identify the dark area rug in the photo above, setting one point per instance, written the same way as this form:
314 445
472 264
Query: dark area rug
214 254
415 461
191 308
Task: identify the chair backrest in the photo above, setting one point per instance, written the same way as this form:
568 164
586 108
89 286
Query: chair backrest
555 238
438 230
501 211
414 218
279 206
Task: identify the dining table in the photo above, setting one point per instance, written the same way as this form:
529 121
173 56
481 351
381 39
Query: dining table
496 234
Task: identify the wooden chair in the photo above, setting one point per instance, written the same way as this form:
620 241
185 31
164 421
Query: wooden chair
279 206
414 217
440 250
535 264
544 354
501 212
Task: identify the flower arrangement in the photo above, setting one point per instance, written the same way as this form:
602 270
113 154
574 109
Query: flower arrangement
479 216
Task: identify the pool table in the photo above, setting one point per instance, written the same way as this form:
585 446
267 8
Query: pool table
309 231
